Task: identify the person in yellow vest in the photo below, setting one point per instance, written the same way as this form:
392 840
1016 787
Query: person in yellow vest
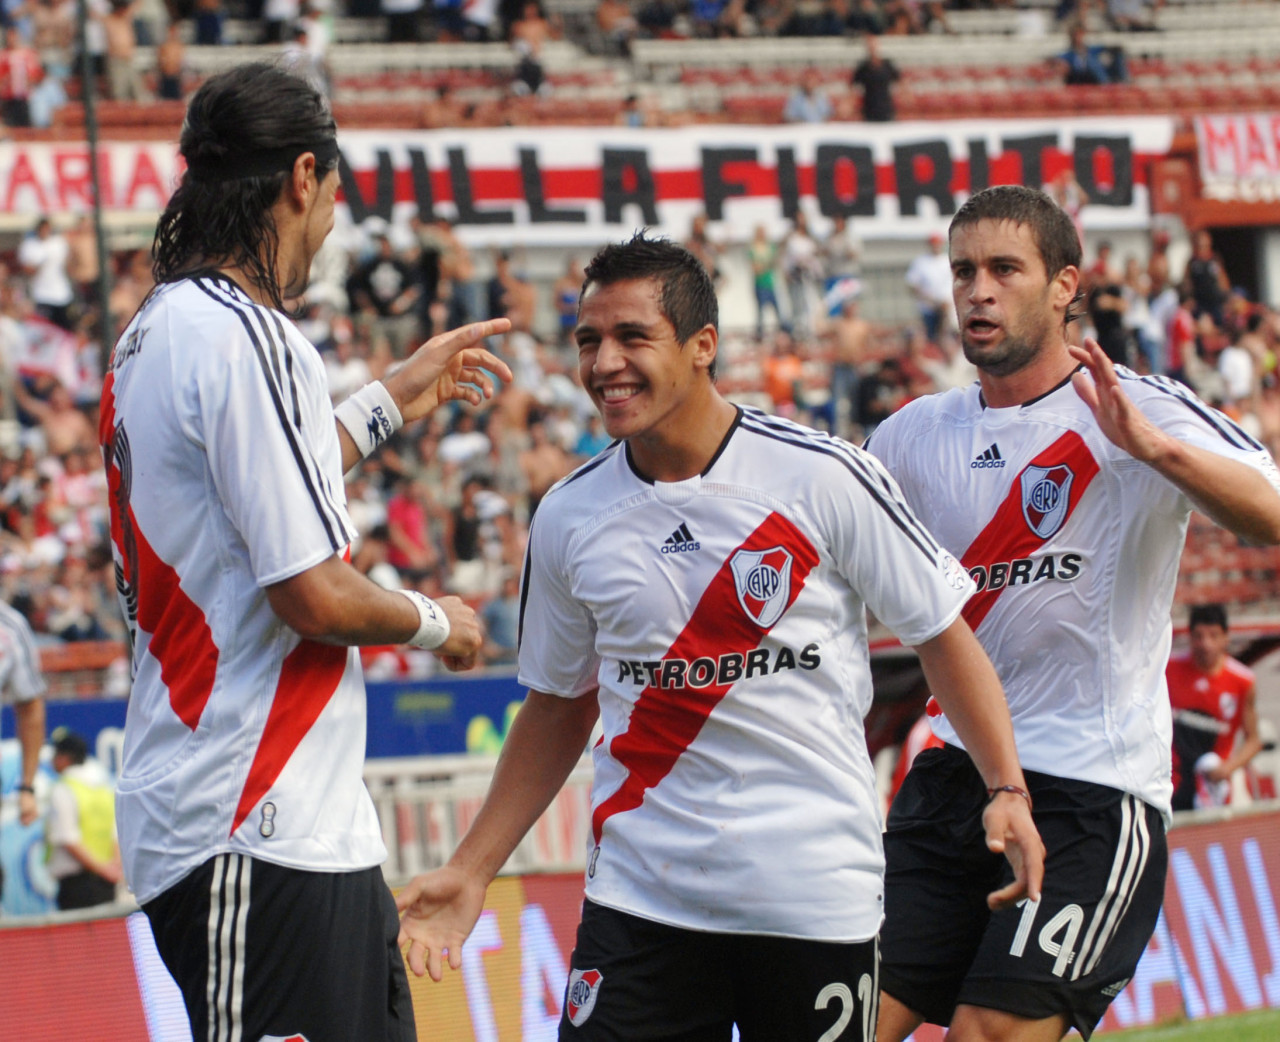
81 830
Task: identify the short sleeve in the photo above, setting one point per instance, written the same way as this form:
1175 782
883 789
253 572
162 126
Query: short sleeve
906 579
1178 412
557 631
23 680
269 435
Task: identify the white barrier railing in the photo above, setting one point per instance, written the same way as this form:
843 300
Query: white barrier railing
426 804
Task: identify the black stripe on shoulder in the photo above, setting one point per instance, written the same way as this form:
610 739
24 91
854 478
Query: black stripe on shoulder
846 450
603 457
319 498
524 586
869 476
1230 431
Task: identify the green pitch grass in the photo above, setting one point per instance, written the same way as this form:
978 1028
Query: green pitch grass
1259 1026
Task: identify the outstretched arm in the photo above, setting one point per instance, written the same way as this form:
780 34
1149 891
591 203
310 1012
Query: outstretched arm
449 367
965 684
439 909
1232 493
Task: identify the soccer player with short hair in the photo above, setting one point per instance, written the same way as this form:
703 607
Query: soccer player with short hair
1064 485
700 587
1214 699
245 828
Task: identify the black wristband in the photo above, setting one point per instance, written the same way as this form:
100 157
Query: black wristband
992 793
27 788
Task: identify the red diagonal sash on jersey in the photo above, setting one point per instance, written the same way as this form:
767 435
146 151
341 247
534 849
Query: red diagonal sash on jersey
181 641
309 676
1008 535
664 722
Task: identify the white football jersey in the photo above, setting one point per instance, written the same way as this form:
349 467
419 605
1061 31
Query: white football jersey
225 476
1074 546
722 619
20 676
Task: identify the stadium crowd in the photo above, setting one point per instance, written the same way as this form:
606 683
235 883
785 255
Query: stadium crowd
138 48
445 505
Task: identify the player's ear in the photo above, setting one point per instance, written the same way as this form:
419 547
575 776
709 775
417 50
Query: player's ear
1066 284
704 343
303 179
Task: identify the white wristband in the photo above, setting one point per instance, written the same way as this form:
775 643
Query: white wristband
370 416
433 623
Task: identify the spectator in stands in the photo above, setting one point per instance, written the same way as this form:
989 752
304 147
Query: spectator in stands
823 19
278 19
84 857
124 83
782 371
593 439
1158 260
511 295
841 254
501 617
763 254
43 256
851 350
64 427
20 71
1068 193
1215 717
82 260
412 517
384 291
457 273
802 269
404 19
1106 304
1085 63
528 34
617 25
902 18
1206 279
544 463
929 279
52 25
1102 271
1132 15
876 76
808 102
209 16
866 19
299 57
480 536
564 298
345 361
1241 381
702 246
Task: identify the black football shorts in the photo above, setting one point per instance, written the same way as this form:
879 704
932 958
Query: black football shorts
259 949
634 980
1070 953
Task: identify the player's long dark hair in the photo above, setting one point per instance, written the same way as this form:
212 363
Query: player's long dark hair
688 298
246 110
1055 233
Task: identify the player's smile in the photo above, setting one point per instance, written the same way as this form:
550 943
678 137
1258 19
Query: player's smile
636 371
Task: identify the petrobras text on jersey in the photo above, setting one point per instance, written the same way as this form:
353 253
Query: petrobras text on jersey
729 668
1023 571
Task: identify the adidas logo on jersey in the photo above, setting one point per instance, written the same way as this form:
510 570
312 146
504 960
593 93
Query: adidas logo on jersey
988 458
681 541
